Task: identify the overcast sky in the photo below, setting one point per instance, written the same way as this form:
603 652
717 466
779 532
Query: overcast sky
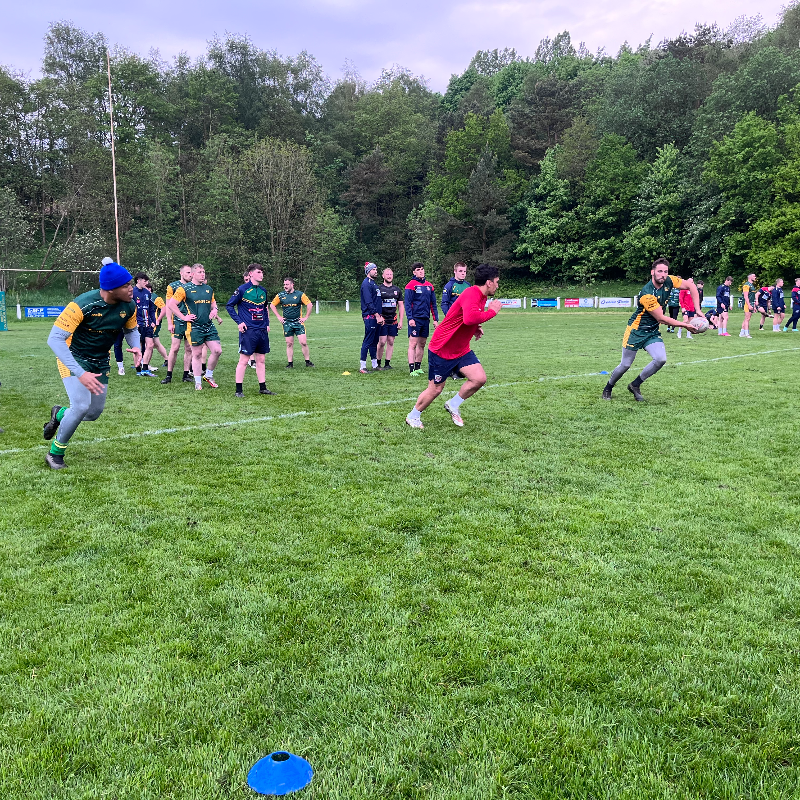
434 39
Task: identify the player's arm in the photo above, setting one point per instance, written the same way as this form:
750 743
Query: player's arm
63 328
408 302
232 308
400 310
274 308
434 307
473 314
651 305
308 305
447 297
215 310
172 304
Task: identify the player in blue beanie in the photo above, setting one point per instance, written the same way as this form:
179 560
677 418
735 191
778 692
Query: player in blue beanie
81 338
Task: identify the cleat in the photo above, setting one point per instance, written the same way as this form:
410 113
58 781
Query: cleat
168 379
51 426
54 462
198 387
265 391
145 373
364 371
289 366
239 394
210 382
388 366
724 334
454 414
120 370
607 392
152 370
310 364
187 379
414 423
634 390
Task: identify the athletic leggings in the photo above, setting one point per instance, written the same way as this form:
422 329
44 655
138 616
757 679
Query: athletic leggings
656 351
83 406
794 319
673 311
118 347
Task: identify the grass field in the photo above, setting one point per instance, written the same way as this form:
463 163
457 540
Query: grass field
567 598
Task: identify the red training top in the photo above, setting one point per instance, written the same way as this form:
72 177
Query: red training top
685 299
452 337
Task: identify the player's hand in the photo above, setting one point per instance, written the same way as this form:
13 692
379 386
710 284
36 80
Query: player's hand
242 327
379 319
190 317
412 324
171 327
478 334
89 380
495 305
303 320
282 320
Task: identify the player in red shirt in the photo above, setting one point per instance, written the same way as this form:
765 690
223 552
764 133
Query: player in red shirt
449 349
687 306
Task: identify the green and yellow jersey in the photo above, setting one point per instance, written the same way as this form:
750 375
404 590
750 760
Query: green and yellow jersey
643 326
748 292
172 288
292 304
93 326
198 300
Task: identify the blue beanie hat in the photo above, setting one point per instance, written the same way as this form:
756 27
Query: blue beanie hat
368 267
112 275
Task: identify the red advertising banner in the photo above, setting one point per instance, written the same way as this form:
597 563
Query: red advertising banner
572 302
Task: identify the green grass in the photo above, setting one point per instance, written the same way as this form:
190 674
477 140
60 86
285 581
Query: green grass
568 598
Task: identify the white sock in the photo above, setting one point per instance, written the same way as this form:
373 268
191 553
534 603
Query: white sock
414 414
374 363
120 364
209 373
198 379
363 364
455 402
680 331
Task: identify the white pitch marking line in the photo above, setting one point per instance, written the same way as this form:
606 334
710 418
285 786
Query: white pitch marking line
276 417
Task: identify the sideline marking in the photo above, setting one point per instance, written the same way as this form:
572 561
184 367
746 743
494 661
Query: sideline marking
275 417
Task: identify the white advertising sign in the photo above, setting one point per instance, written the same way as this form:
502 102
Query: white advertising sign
615 302
515 303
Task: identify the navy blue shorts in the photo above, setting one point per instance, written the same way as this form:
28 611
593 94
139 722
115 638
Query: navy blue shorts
779 309
763 309
146 332
387 329
420 330
721 310
440 369
253 340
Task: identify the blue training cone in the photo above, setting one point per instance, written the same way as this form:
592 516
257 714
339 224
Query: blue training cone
604 373
280 773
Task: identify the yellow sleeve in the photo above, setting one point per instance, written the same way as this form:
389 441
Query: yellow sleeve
69 319
159 302
304 299
169 292
649 302
676 281
213 299
180 295
277 301
130 323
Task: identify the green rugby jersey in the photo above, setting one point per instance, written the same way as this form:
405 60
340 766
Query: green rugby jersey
172 288
93 326
749 293
198 302
651 298
291 304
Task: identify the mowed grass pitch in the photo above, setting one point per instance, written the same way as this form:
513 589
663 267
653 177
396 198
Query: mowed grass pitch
568 598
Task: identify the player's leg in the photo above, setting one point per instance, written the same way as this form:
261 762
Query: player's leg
628 357
162 351
289 350
658 355
241 368
373 346
423 401
369 344
475 379
389 349
146 336
301 337
745 331
214 352
381 347
197 362
412 349
64 421
778 319
420 354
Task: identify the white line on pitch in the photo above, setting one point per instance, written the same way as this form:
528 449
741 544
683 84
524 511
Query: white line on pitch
277 417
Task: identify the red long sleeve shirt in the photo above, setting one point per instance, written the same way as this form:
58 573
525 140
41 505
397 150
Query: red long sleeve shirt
452 337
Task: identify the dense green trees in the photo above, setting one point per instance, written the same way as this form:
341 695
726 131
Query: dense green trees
568 165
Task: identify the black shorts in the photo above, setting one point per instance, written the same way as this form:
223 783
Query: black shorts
763 309
688 314
146 332
721 310
253 340
387 329
440 369
420 329
779 309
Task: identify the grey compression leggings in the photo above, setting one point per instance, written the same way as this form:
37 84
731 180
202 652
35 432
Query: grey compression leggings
657 352
83 405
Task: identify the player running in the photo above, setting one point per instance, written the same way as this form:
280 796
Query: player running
795 307
643 333
372 314
392 322
178 329
292 319
199 298
81 338
454 287
749 297
248 309
420 302
778 305
450 346
724 305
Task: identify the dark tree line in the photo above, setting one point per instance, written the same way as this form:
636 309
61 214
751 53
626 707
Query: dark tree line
567 164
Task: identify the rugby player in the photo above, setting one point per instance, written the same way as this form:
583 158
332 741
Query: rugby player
450 346
674 305
688 308
454 287
141 296
158 308
292 319
81 338
248 309
778 305
420 301
795 307
178 329
724 305
763 297
392 322
372 314
202 305
748 296
643 333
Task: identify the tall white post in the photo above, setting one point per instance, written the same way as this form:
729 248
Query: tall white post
317 306
19 312
346 305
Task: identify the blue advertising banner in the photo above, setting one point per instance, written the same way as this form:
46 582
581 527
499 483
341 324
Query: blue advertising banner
546 302
43 311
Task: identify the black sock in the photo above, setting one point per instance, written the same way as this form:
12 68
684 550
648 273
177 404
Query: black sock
139 368
290 364
386 363
417 365
186 373
262 385
204 367
609 386
308 361
169 373
166 363
145 366
637 382
410 367
239 387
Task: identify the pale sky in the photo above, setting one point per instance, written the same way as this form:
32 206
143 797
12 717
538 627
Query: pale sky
434 39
